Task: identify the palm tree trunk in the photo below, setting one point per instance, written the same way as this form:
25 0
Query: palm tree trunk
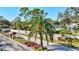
51 38
41 40
47 39
35 36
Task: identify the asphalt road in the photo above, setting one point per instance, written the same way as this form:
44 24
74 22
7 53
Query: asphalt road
11 45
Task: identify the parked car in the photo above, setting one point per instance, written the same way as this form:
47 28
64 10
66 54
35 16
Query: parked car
5 30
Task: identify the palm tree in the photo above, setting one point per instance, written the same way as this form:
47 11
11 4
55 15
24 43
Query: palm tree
41 25
17 23
24 12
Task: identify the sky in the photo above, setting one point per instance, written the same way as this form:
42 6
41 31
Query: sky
11 12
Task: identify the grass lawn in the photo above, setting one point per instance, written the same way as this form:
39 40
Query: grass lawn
20 40
75 44
1 32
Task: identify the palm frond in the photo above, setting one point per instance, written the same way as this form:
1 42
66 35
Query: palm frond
31 34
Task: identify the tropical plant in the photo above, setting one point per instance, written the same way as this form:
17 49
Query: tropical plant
17 23
24 12
41 25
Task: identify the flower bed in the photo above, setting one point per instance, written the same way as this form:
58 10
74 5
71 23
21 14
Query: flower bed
35 46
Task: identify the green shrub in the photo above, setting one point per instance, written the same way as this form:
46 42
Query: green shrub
65 31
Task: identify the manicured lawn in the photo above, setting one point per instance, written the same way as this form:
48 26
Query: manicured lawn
1 32
20 40
75 44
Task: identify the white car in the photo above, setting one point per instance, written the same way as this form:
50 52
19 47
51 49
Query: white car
5 30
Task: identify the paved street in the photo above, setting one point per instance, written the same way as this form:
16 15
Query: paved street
11 45
60 48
